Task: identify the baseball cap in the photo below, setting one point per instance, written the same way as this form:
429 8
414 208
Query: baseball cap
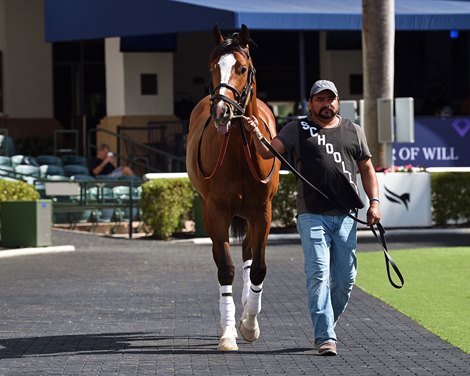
321 85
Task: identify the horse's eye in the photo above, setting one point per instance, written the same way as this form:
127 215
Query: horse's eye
243 70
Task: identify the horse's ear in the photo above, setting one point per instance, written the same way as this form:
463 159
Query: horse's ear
244 36
217 34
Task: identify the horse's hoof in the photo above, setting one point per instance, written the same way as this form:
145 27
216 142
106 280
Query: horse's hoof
228 340
249 328
227 344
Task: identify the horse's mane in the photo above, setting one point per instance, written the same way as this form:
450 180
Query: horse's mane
230 45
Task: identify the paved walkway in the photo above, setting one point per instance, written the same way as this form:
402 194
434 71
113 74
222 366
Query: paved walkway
144 307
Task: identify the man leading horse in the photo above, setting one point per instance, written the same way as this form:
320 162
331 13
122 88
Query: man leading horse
327 150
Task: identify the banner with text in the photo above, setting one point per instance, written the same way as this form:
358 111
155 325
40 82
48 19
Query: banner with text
439 142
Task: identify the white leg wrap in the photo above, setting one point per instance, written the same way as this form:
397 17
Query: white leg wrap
226 307
253 304
246 281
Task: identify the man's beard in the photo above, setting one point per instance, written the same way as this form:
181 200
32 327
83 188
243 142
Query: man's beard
327 113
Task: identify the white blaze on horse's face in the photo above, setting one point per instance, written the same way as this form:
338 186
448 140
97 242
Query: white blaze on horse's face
226 63
223 111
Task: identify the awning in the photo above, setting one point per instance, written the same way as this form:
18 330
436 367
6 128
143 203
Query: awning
90 19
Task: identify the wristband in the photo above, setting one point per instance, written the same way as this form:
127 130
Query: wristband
374 199
258 133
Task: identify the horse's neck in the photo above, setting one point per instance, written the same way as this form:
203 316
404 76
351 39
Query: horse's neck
252 108
266 121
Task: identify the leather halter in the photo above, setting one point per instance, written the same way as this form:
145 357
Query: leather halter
242 97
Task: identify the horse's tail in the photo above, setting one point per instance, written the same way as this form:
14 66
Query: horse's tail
238 227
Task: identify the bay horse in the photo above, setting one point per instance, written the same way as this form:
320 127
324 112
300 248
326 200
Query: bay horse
235 184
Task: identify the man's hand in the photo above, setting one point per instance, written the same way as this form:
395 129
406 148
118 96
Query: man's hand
250 123
373 213
109 159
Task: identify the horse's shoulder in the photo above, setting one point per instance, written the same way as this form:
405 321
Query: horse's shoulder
201 106
200 112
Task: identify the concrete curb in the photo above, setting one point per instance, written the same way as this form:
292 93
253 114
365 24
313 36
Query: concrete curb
361 234
36 251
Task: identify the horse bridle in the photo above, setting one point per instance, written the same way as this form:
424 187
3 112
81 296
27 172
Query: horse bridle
242 97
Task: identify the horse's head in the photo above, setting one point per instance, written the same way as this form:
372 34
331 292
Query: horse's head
232 78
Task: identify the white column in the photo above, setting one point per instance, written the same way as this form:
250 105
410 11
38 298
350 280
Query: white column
114 78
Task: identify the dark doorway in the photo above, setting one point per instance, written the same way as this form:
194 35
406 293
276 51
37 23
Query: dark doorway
79 85
1 82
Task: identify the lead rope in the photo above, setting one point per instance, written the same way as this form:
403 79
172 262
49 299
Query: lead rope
380 237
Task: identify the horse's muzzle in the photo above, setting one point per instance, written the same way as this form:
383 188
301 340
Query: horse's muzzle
222 114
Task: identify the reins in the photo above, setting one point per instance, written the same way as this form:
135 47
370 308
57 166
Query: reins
223 151
381 231
220 157
249 159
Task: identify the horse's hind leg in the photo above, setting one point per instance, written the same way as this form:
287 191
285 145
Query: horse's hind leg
247 261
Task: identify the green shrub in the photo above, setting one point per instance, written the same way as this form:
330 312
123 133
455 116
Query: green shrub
17 191
450 196
166 203
284 204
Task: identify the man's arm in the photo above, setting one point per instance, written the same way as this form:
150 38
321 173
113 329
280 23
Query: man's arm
99 166
251 125
371 187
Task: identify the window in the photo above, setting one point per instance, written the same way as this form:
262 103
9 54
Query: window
148 84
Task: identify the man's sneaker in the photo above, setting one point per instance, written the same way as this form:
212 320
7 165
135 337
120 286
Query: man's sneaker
327 348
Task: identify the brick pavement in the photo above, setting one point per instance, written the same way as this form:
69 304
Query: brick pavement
142 307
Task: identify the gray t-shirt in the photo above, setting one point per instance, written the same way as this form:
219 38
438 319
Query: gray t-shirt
327 157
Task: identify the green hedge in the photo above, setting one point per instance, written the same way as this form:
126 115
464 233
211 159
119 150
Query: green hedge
284 204
450 197
165 204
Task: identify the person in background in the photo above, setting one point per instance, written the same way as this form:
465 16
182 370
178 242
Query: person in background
103 165
327 150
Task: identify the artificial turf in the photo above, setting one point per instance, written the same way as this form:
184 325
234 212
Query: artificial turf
436 293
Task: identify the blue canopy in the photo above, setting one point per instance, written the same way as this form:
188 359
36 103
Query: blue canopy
89 19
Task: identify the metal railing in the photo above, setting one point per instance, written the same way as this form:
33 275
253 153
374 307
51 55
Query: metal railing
136 153
81 199
77 193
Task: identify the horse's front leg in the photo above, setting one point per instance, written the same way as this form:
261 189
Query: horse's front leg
257 237
225 273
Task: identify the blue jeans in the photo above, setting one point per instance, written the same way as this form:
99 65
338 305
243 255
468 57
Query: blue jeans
329 245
